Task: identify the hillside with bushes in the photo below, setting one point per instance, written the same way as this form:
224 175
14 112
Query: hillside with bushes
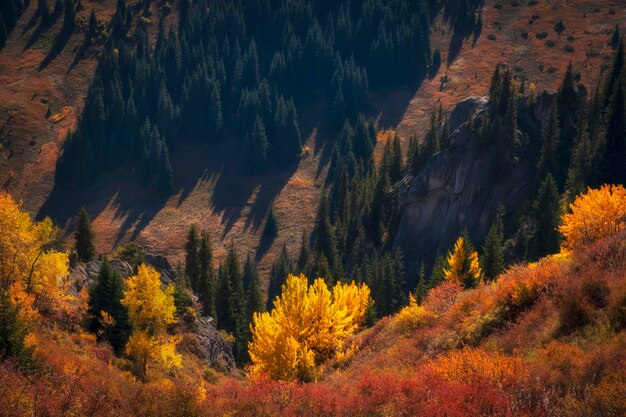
303 207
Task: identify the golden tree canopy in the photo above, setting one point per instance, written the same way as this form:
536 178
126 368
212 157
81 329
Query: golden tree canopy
307 325
150 310
463 265
27 261
597 214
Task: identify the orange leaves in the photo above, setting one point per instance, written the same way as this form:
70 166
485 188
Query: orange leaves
595 215
307 325
469 364
463 264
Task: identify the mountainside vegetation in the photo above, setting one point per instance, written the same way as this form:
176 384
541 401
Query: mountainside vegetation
313 248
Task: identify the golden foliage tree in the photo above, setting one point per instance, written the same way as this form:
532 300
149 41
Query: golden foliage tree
29 267
463 265
594 215
307 325
150 310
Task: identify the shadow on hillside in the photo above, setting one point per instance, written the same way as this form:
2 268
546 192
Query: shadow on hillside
464 22
59 44
128 201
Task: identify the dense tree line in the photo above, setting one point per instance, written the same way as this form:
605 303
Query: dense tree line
222 75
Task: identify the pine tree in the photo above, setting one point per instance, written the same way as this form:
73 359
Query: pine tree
165 182
236 322
255 149
581 160
192 260
615 140
421 288
492 259
615 38
282 267
396 168
304 259
545 215
92 28
110 317
462 264
270 231
84 237
206 280
325 243
548 160
254 298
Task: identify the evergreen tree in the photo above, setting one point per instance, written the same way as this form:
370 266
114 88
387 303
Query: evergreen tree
192 260
270 231
492 259
254 298
282 267
206 279
13 332
548 160
165 182
581 160
396 168
325 243
84 237
92 28
255 149
110 317
615 38
615 140
421 288
236 322
545 215
304 259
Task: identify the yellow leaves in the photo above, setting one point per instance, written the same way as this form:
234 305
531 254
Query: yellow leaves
463 266
150 310
475 364
411 317
149 307
26 263
56 118
307 325
595 215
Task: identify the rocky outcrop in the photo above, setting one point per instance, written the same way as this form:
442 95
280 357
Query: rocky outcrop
462 186
209 343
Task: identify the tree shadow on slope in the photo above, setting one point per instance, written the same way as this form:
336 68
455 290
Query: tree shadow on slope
59 44
131 204
462 16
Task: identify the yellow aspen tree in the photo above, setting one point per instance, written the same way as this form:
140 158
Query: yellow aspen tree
27 261
150 310
307 325
597 214
463 265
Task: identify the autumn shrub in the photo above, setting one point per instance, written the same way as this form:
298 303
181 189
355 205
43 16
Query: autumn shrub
471 364
617 309
573 313
411 317
597 214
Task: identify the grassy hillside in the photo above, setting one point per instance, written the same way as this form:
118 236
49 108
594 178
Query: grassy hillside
543 339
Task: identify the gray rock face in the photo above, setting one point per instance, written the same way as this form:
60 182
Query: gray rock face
462 186
209 342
